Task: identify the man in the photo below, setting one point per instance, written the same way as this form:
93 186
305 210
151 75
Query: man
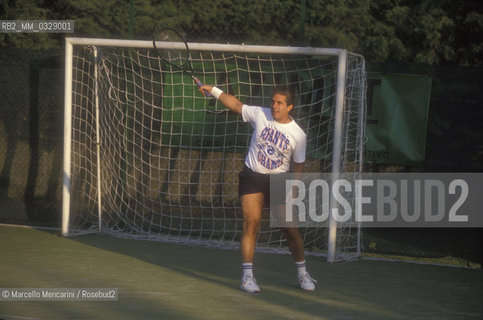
277 144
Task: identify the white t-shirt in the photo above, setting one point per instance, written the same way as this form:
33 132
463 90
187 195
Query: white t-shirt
273 144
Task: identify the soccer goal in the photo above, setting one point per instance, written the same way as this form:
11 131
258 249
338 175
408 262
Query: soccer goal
146 156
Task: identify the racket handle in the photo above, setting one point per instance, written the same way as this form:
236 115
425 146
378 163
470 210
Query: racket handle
200 84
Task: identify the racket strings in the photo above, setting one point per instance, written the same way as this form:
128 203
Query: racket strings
176 56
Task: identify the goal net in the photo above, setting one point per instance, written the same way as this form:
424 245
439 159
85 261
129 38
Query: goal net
148 157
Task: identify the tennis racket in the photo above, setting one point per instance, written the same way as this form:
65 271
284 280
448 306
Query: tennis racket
179 57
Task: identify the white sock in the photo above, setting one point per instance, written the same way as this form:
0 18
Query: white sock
301 269
247 268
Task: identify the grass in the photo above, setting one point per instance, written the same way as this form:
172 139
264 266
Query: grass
166 281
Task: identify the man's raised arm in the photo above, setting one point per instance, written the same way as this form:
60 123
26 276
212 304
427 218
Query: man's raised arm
228 100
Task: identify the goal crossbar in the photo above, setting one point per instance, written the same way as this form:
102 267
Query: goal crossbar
240 48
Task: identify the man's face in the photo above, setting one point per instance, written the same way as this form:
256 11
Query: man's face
280 109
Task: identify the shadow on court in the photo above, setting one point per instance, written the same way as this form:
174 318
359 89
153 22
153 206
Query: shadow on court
167 281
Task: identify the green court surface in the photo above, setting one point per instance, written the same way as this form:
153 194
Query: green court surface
166 281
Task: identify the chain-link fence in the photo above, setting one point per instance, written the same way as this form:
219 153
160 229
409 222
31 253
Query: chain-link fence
454 144
31 129
31 125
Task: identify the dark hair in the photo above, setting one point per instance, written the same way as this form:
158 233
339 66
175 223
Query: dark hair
285 91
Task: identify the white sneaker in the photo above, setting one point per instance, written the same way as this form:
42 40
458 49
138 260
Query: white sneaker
306 282
249 284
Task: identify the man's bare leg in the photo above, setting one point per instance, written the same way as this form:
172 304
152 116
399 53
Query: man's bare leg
252 206
296 246
295 243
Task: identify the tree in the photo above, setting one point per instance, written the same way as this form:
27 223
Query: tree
415 31
25 10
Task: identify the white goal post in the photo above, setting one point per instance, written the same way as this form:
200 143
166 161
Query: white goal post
146 156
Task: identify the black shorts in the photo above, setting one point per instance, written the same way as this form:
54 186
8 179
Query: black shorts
254 182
